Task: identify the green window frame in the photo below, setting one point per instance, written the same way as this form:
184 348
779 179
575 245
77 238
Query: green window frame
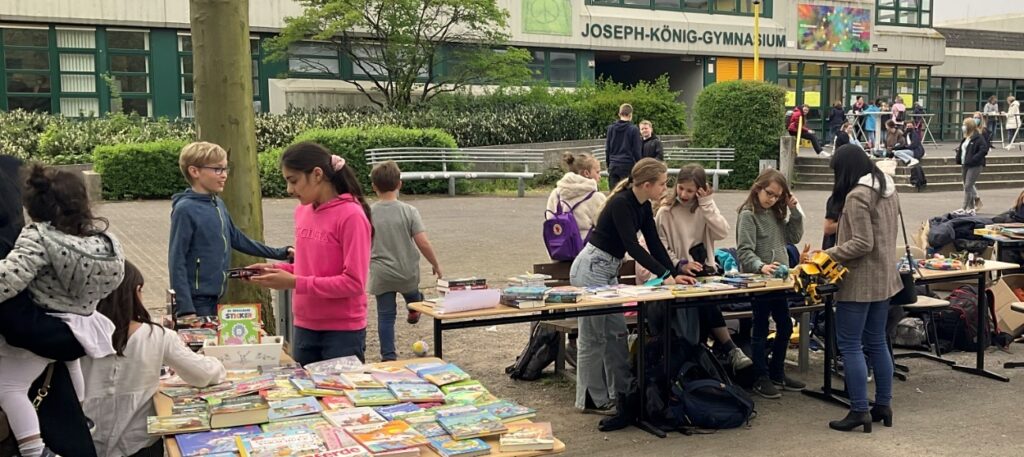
558 67
732 7
27 63
907 13
186 74
130 62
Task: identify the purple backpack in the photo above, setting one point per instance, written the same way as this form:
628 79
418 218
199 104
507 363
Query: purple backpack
562 235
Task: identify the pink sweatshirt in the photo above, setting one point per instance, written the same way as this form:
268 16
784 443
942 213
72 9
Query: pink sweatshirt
332 262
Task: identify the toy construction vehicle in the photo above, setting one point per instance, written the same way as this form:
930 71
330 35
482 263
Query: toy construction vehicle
818 276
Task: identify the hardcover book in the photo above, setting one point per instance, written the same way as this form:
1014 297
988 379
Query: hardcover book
345 418
472 425
388 436
371 397
214 441
525 436
273 444
173 425
239 324
294 407
443 374
416 392
447 447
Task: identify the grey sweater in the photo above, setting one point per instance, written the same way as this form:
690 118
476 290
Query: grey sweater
761 238
63 273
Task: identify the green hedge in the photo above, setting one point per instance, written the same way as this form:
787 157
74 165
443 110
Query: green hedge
746 115
141 170
351 143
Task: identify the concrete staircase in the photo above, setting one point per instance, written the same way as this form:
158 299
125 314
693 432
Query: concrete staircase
1001 172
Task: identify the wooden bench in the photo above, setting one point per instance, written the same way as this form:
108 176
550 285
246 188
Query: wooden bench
467 163
677 157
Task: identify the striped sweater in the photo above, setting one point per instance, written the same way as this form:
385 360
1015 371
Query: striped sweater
761 238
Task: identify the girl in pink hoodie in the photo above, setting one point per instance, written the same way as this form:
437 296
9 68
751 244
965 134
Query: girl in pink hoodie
332 256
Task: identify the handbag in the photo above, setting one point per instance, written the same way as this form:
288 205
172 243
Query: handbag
44 390
908 294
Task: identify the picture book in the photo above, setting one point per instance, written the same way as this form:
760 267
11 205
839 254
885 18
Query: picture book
232 412
526 436
332 402
397 411
214 441
195 338
345 418
416 367
443 374
388 436
308 387
472 425
301 423
509 411
470 391
426 424
190 409
239 324
173 425
362 381
371 397
452 410
285 409
282 390
286 371
347 364
341 444
344 452
416 392
253 385
272 444
175 392
447 447
332 382
403 375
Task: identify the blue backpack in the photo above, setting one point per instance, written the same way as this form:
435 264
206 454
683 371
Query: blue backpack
703 396
561 234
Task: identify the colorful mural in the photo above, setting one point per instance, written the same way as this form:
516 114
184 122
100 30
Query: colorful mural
834 28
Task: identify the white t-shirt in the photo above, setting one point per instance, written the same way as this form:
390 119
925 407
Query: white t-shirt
963 149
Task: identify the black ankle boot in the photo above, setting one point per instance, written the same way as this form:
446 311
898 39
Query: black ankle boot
626 413
882 414
852 421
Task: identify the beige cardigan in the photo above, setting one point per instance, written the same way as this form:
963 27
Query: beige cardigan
680 229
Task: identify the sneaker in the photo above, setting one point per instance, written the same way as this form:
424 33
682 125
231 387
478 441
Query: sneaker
789 384
913 162
959 212
765 388
977 203
825 154
739 360
971 212
606 410
414 317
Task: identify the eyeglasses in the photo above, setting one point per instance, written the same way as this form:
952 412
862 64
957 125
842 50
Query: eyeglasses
771 195
218 170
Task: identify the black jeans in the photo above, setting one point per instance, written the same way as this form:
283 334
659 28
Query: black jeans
776 306
310 346
616 173
809 136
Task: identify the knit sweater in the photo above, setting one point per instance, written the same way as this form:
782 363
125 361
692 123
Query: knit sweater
761 238
572 189
680 229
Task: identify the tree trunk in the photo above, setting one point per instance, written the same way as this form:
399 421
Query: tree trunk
224 115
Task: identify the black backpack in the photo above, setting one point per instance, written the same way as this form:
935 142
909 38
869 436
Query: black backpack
917 177
957 327
703 396
540 351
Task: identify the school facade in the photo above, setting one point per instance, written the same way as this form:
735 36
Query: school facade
81 58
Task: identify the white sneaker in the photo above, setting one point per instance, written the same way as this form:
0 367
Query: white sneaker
913 162
739 360
959 212
825 154
971 212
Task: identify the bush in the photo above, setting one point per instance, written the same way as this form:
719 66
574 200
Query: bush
141 170
67 141
271 182
746 115
653 101
20 130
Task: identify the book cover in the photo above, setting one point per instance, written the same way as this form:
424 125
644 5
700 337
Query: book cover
462 282
416 392
451 410
397 411
416 367
285 409
524 293
341 443
509 411
301 423
214 441
332 402
201 408
282 390
239 324
469 397
443 374
362 381
308 387
273 444
426 424
371 397
256 384
175 392
353 416
447 447
388 436
403 375
472 425
525 436
286 371
173 425
332 382
231 412
338 365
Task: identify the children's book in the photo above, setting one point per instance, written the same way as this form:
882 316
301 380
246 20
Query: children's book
470 391
273 444
282 390
345 418
175 392
332 382
362 381
525 436
332 402
214 441
239 324
403 375
308 387
397 411
426 424
371 397
416 367
347 364
447 447
472 425
285 371
416 392
443 374
388 436
340 443
452 410
173 425
202 408
256 384
301 423
508 411
286 409
233 412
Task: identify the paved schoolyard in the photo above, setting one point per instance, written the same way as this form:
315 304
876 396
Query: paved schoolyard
938 412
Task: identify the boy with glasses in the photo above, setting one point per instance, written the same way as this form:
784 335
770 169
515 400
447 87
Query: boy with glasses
202 233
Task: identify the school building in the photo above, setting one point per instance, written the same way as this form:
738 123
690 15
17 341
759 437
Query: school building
76 57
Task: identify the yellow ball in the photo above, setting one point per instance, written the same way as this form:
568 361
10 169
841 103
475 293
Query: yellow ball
420 348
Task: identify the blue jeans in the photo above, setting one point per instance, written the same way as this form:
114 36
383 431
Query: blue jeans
906 155
387 305
310 346
860 329
776 306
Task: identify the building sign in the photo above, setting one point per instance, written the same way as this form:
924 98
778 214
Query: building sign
676 35
834 28
547 17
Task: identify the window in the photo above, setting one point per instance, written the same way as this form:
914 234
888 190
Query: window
186 75
912 13
314 59
741 7
536 65
27 69
557 67
129 70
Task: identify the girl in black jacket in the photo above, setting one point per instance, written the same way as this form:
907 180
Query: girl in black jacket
836 118
970 155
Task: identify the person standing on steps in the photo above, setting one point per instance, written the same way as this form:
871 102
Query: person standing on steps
1012 120
651 143
623 146
970 155
991 113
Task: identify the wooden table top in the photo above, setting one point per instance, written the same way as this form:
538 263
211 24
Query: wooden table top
989 267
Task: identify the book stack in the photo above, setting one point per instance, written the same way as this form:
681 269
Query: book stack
564 294
523 297
1012 231
468 283
529 280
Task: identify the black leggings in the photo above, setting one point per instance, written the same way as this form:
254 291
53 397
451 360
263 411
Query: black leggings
809 136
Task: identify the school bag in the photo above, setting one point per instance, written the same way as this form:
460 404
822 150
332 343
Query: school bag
540 351
561 234
917 177
703 396
957 327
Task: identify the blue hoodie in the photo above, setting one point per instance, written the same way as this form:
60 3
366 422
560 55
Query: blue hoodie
202 236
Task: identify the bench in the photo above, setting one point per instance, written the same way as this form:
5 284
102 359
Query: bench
466 163
677 157
568 328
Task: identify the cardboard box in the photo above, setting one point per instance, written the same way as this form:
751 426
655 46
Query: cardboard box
1009 320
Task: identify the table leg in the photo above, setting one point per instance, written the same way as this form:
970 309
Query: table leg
983 337
803 357
826 393
437 339
642 422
